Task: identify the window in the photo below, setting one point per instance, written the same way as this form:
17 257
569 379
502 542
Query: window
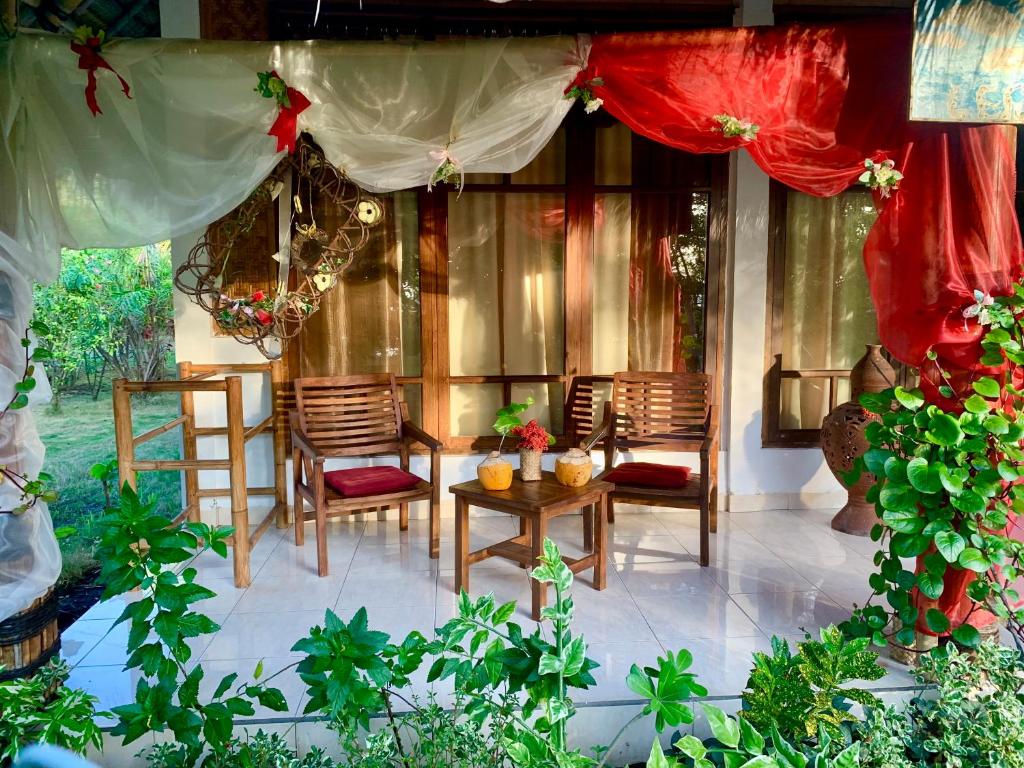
592 259
820 311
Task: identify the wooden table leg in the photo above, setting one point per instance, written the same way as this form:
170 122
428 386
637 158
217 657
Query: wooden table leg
525 530
461 545
601 544
539 590
588 527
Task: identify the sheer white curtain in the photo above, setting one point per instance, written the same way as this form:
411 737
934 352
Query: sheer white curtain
191 144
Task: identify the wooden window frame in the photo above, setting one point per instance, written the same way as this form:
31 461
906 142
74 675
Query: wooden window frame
579 189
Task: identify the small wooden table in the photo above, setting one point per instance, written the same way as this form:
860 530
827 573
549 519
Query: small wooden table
534 503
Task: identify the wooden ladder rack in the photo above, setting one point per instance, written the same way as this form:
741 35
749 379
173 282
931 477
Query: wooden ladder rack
200 378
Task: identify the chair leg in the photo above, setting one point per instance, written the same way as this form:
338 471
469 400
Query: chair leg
321 536
435 525
588 528
713 504
705 534
300 520
611 510
403 517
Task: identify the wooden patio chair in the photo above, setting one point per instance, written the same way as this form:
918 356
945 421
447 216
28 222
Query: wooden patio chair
355 416
668 411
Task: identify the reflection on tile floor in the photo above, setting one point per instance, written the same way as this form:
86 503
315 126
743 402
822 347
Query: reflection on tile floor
778 572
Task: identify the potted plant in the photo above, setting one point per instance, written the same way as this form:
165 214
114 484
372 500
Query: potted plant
495 472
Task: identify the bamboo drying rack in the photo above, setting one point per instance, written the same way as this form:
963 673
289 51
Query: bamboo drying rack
199 378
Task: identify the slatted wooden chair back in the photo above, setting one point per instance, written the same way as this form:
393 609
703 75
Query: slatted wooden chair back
668 410
584 405
350 415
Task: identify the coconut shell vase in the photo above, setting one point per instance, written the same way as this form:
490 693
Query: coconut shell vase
842 440
494 472
574 468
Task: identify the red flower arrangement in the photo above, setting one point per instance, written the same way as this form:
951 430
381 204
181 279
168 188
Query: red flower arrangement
532 436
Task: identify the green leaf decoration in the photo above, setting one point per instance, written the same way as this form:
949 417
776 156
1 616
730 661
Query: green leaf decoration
931 585
972 559
723 727
944 430
976 404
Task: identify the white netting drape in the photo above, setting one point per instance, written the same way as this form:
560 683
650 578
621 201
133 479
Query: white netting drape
191 144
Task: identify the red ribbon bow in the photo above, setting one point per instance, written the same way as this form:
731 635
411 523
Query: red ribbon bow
90 60
285 127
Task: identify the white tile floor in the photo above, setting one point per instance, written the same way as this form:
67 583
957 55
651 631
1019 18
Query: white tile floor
771 573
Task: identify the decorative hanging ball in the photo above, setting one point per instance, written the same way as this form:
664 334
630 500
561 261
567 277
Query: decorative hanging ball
369 212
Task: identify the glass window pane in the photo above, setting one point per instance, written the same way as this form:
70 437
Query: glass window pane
613 163
548 167
369 322
804 403
506 256
548 404
471 408
827 314
650 258
412 395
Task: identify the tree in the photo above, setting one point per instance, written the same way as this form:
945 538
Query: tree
110 308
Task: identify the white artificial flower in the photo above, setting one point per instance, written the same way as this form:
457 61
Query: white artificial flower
592 106
979 309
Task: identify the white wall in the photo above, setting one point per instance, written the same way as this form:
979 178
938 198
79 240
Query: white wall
756 477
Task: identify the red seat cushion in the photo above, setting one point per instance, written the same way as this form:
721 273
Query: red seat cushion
645 474
369 481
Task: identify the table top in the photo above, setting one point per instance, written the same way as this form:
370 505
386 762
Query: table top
535 494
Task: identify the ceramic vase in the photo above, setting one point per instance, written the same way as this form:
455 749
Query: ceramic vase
529 465
574 468
494 472
842 440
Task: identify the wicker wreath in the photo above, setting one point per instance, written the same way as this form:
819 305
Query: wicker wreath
315 260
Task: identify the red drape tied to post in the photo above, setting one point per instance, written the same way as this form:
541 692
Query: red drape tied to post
285 127
90 60
825 99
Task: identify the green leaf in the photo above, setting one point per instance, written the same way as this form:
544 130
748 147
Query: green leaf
922 476
876 402
930 585
937 621
903 521
976 404
753 741
950 544
657 758
911 399
692 747
967 636
944 430
723 727
969 503
996 424
972 559
987 387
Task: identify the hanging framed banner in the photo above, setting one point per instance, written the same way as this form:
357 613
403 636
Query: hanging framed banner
968 63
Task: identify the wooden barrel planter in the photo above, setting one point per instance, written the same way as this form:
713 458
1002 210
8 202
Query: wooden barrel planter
30 638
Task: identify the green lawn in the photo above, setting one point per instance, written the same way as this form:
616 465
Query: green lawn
82 434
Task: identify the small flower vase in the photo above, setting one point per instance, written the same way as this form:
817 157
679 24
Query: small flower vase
529 465
574 468
494 472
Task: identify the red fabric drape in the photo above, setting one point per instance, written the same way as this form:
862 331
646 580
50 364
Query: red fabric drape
826 98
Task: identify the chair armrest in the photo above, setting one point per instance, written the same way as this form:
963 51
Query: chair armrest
301 441
711 438
587 444
412 432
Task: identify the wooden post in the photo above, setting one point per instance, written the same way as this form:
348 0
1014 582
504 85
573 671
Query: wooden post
123 437
189 451
239 497
282 438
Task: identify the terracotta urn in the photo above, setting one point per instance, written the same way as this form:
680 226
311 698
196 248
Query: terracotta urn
494 472
574 468
529 465
842 440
